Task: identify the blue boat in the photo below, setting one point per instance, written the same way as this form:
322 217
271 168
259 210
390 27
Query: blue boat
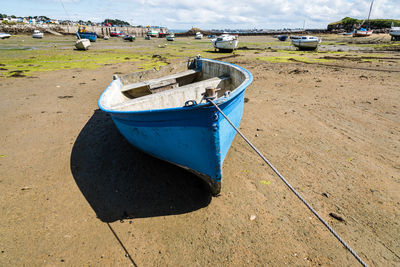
282 37
82 33
168 116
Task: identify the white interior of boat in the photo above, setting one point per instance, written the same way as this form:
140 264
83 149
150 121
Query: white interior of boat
172 90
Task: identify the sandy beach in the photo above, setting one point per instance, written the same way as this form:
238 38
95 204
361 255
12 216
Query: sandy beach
74 192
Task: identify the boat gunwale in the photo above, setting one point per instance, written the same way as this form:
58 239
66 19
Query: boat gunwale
218 101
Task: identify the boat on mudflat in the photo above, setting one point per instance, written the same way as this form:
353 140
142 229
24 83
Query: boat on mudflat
152 33
198 36
37 34
394 33
82 44
4 35
116 33
169 117
282 37
225 42
305 42
82 33
170 37
129 37
362 32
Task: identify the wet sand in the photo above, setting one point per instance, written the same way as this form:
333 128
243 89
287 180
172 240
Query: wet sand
74 192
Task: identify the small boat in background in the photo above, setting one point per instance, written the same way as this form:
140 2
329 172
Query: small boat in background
282 37
226 42
82 33
394 33
4 35
305 42
82 44
170 37
198 35
106 37
130 38
116 33
147 37
37 34
169 118
362 32
152 33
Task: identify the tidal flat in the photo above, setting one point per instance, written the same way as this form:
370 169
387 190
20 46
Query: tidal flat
74 192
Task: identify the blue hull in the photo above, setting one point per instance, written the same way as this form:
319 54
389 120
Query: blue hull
87 35
196 138
282 37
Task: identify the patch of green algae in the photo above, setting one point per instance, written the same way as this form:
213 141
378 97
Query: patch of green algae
49 60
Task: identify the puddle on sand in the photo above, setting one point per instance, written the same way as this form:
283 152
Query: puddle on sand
18 48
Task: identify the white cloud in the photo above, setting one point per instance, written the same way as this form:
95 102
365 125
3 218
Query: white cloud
207 14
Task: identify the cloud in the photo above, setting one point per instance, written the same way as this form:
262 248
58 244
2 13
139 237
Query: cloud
207 14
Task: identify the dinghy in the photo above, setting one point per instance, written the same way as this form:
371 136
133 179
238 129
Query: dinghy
305 42
198 36
37 34
4 35
394 33
170 37
225 42
170 117
82 44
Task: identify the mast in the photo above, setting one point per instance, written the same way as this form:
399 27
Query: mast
370 9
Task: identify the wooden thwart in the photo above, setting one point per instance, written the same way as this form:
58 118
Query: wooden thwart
139 89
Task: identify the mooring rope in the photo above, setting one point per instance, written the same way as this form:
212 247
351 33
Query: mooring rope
291 187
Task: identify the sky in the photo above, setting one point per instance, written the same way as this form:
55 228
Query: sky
208 14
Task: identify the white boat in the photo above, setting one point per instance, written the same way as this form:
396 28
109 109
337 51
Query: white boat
106 37
37 34
170 37
82 44
4 35
198 36
394 32
362 32
225 42
306 42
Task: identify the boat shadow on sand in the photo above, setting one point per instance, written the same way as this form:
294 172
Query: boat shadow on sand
121 182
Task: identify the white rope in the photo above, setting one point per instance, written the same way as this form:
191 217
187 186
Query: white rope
291 187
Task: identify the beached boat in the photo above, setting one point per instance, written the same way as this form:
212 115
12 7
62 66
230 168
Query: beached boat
4 35
198 35
129 37
282 37
305 42
82 33
37 34
106 37
225 42
394 33
152 33
170 37
116 33
169 118
82 44
362 32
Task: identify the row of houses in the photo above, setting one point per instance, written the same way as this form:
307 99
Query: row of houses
28 20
